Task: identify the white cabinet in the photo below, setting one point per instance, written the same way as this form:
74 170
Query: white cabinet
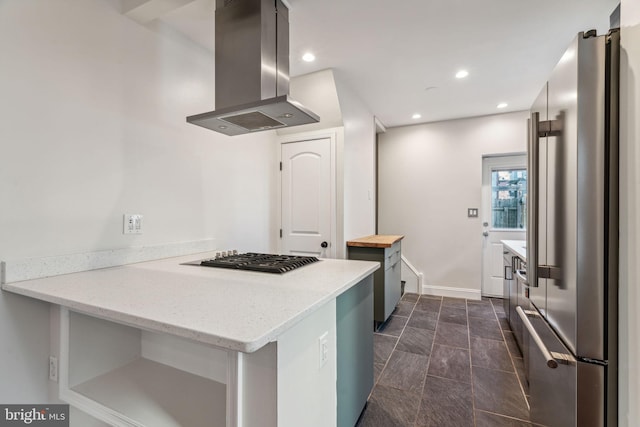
129 377
126 376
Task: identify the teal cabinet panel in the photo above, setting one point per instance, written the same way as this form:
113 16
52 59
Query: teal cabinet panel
354 332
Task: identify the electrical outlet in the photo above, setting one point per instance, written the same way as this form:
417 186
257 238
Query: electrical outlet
53 368
132 224
323 348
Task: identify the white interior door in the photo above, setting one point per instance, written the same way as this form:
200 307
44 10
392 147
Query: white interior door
503 214
307 198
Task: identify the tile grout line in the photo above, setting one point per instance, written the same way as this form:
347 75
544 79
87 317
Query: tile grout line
473 394
506 416
421 393
394 346
377 381
433 343
515 369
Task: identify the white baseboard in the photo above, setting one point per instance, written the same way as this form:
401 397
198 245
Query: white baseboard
34 268
447 291
411 276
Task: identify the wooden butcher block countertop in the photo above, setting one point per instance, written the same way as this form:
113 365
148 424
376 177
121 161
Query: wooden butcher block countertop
375 241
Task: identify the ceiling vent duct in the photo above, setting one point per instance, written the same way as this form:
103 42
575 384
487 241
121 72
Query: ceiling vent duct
252 70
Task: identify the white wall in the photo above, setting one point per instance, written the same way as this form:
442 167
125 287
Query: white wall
93 125
629 372
359 163
317 92
428 176
325 94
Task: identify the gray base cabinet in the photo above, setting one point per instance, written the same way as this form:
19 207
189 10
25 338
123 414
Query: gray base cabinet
386 280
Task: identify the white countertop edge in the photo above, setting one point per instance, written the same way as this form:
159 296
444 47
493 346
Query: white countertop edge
272 335
518 247
222 342
127 319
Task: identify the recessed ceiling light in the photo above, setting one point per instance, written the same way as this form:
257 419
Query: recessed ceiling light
502 105
462 74
416 116
308 57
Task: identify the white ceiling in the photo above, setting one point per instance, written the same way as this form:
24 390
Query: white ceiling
401 56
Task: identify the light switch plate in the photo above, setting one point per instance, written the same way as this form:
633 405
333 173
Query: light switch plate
132 224
472 212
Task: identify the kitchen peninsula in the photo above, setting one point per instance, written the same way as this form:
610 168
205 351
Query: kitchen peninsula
159 343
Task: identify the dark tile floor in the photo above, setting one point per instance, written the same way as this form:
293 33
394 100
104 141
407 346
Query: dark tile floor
446 362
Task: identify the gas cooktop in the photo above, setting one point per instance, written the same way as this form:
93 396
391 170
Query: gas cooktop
267 263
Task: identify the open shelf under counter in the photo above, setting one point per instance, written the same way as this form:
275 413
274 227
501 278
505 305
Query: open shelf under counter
154 394
127 377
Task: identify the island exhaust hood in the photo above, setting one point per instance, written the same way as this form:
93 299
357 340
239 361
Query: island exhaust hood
252 70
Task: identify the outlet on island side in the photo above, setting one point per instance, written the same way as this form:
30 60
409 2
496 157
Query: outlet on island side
323 348
53 368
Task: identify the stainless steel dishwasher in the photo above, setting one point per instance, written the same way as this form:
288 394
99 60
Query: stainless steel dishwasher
507 258
524 303
518 296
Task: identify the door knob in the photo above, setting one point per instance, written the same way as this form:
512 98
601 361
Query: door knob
485 234
324 244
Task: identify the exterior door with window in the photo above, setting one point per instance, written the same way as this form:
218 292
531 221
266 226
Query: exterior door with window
504 215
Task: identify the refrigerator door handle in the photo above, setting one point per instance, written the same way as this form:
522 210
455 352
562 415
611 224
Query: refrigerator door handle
551 361
533 166
550 128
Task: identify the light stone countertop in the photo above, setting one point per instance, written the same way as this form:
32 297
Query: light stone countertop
231 309
518 247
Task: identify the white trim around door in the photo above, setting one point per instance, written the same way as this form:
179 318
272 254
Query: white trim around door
335 139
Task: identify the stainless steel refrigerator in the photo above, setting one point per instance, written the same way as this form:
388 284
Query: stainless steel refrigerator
571 320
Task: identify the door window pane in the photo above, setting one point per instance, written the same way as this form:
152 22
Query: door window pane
509 198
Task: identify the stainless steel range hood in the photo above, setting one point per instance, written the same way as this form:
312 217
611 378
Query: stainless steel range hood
252 70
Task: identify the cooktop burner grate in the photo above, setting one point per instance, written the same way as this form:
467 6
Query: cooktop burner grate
267 263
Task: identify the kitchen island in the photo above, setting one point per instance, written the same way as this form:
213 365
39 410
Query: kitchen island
164 344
